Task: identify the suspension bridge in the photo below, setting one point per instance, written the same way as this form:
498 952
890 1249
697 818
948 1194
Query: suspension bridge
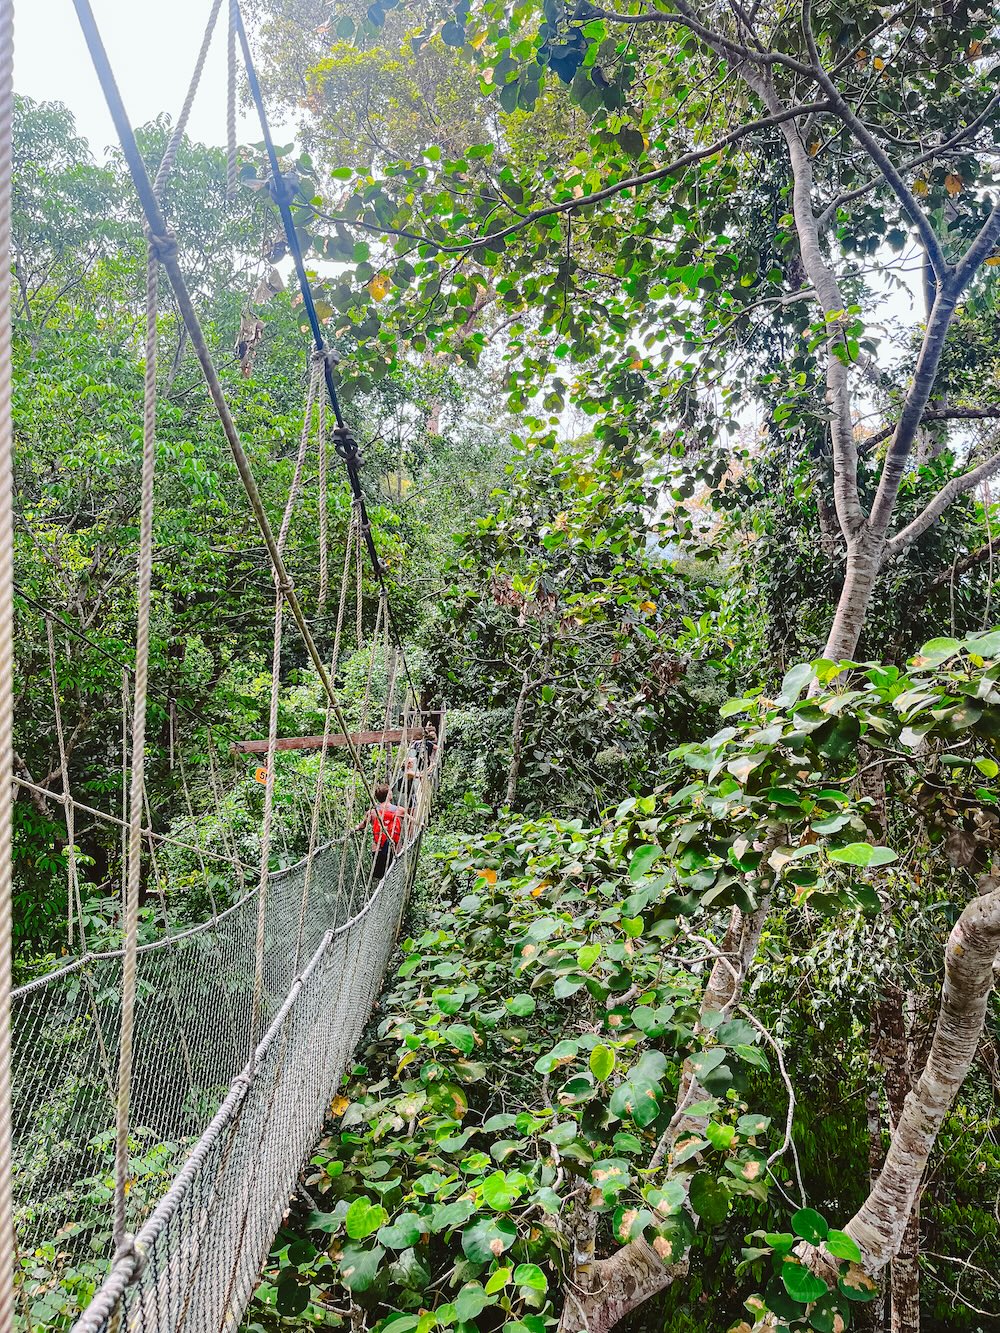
157 1100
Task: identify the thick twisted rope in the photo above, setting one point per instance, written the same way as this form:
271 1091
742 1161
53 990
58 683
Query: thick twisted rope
7 1248
137 785
272 724
231 104
174 142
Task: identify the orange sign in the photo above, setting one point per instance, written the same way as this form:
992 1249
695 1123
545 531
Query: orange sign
261 776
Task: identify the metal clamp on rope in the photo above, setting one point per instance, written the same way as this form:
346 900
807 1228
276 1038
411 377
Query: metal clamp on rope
347 446
162 248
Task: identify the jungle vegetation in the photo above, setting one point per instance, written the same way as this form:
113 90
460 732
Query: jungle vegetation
669 333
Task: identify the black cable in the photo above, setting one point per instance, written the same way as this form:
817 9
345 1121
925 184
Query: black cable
344 442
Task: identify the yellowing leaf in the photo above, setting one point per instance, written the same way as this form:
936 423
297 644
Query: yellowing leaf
992 261
477 41
339 1105
490 876
813 147
648 607
953 183
379 286
878 62
919 187
975 48
636 364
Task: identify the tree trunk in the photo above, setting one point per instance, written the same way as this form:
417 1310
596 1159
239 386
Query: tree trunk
904 1278
606 1291
973 948
517 736
859 583
904 1270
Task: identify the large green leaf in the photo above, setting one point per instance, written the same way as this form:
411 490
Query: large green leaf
800 1283
488 1239
364 1217
709 1198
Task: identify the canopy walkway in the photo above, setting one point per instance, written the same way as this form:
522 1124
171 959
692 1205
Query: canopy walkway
158 1100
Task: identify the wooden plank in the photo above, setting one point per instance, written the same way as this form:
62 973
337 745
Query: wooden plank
391 737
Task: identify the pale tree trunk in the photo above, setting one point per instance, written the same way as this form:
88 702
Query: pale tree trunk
904 1269
904 1278
852 607
879 1225
608 1289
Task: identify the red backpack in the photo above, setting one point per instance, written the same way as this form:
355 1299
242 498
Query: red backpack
387 819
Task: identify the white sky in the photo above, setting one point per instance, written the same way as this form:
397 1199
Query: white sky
152 48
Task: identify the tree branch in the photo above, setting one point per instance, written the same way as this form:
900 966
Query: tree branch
586 200
914 407
935 414
686 18
948 493
829 212
831 299
875 151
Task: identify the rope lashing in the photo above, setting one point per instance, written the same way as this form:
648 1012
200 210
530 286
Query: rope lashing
347 448
162 249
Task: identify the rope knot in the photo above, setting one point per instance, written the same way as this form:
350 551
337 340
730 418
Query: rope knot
129 1248
325 356
162 248
284 585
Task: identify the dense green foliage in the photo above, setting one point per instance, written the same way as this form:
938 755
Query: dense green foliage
559 253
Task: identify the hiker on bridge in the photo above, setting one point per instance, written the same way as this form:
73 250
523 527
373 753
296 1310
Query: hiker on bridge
387 821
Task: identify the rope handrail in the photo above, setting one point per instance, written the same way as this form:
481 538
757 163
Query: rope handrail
7 1241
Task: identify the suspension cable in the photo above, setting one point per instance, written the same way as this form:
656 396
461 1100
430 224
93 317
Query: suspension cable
344 441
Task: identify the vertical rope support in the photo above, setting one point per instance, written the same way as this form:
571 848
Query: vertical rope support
137 785
343 598
231 104
7 1248
324 514
73 900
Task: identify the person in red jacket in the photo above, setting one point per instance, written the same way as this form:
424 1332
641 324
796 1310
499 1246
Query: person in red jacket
387 821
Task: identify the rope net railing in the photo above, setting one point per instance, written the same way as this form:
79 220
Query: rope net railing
196 1258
